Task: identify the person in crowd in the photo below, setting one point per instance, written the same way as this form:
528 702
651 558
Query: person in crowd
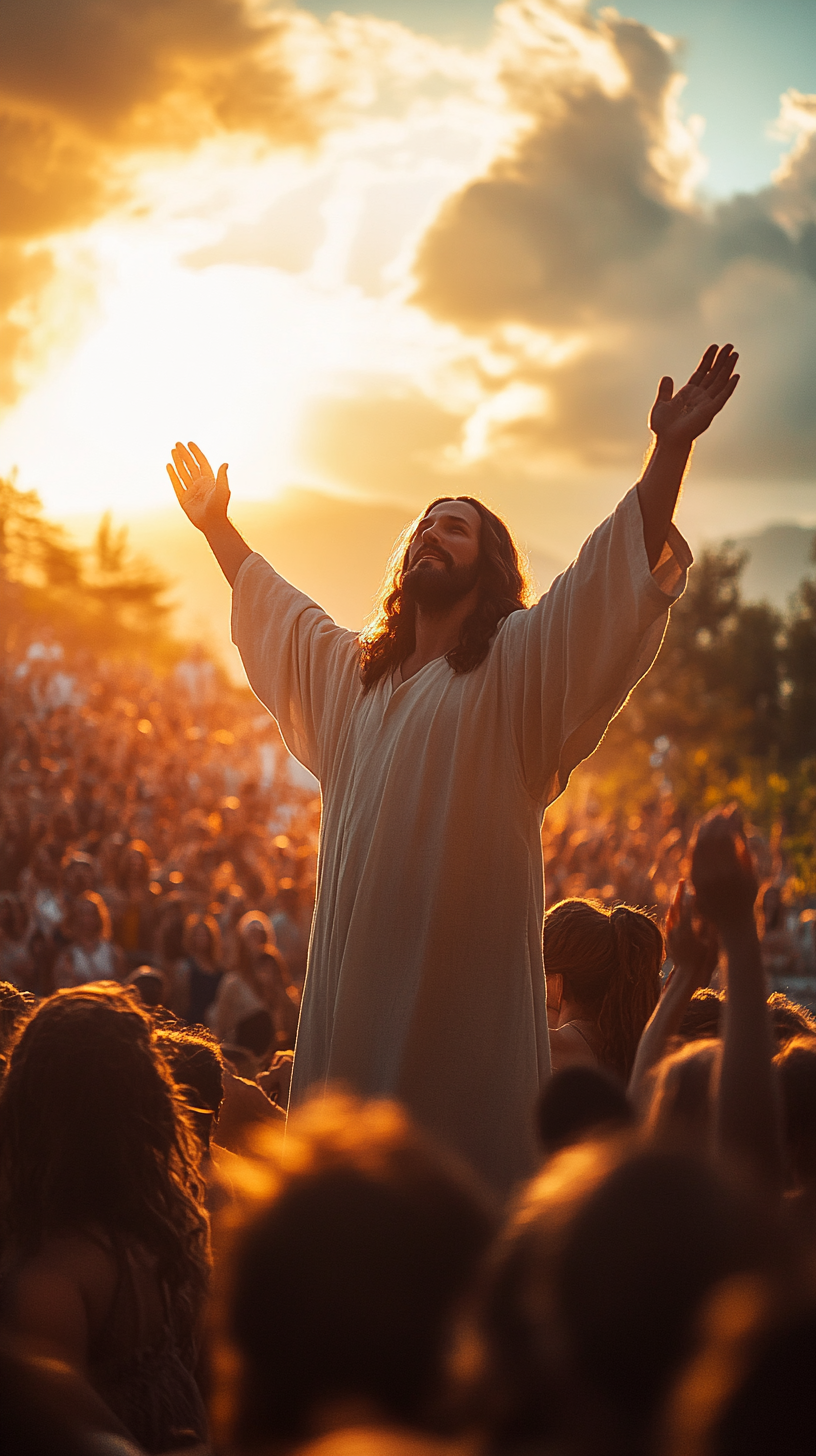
748 1388
679 1100
198 975
15 959
369 1238
135 922
103 1232
580 1102
41 889
150 986
603 982
92 955
15 1005
590 1305
796 1070
781 958
260 982
439 739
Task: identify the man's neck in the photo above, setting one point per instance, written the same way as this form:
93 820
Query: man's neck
437 633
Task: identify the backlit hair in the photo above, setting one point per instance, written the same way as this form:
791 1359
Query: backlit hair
390 636
610 961
95 1137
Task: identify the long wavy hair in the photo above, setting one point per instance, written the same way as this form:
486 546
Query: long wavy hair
95 1137
610 961
504 587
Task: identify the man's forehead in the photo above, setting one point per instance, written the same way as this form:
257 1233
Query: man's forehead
458 510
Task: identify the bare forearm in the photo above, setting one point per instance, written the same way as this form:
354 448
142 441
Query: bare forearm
658 489
228 547
748 1123
664 1022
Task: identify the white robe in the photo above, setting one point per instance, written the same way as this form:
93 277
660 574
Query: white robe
425 980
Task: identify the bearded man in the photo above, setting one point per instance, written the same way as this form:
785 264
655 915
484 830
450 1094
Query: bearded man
439 737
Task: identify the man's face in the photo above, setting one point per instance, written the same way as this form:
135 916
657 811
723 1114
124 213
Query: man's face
443 558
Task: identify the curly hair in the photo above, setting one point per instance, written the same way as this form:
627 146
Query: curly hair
95 1135
610 961
504 587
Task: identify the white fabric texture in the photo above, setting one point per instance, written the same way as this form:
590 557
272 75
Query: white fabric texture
425 980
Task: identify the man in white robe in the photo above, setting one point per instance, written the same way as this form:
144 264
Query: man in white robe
425 980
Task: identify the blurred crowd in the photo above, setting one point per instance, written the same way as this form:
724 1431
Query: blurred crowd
176 1274
141 837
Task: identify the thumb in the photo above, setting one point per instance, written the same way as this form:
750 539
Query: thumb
222 477
665 388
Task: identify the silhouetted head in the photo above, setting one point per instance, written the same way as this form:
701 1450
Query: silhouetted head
591 1303
364 1249
748 1390
680 1113
577 1103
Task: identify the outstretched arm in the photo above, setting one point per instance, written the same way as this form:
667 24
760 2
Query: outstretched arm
747 1121
693 948
676 421
204 499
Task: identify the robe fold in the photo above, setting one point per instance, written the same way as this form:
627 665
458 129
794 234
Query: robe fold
425 979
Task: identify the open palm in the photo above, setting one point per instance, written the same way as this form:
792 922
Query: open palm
203 496
677 419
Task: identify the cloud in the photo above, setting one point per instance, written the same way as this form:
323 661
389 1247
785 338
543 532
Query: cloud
87 87
583 259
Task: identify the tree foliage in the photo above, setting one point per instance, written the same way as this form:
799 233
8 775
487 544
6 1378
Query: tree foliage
104 599
727 712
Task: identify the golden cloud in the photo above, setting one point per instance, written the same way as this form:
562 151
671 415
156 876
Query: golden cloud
86 84
581 257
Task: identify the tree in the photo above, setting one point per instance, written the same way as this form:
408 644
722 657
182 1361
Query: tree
104 599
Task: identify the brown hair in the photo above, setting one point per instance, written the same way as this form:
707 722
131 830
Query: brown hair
610 961
210 924
95 1135
390 635
369 1237
90 897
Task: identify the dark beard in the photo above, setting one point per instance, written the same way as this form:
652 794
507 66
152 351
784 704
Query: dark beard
434 590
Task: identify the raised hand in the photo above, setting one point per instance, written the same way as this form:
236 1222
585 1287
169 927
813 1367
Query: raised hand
691 941
677 419
722 871
202 496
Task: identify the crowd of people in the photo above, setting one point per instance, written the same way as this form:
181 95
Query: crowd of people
175 1274
141 838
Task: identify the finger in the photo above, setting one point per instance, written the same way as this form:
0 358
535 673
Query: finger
194 465
177 485
201 459
675 907
186 475
704 364
724 365
718 400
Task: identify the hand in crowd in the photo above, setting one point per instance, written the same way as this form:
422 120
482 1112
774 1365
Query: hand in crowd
691 941
722 870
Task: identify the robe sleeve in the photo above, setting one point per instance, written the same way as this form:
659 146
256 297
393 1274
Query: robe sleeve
571 661
302 666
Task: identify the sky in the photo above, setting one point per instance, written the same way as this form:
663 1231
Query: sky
407 249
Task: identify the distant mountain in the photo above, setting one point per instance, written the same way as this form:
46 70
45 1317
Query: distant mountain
778 557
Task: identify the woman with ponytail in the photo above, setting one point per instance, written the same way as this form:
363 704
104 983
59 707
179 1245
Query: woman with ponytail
603 982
